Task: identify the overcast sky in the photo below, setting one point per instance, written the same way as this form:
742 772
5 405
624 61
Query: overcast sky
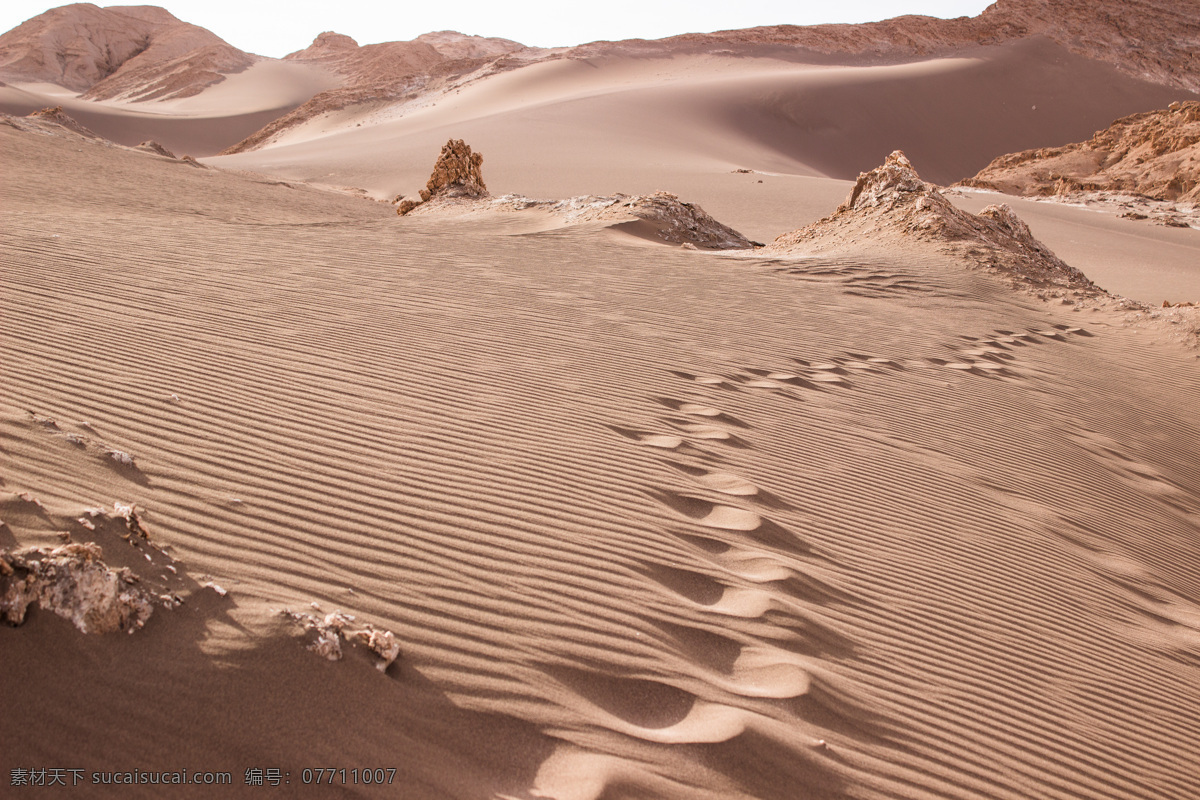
272 28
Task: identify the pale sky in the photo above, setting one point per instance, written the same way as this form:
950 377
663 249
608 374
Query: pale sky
271 28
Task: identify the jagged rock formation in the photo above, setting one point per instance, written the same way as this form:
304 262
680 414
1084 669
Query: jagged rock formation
892 201
334 628
458 172
131 51
1156 154
75 584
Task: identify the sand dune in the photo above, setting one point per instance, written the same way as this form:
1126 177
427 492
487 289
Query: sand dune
755 113
647 522
201 124
901 505
637 126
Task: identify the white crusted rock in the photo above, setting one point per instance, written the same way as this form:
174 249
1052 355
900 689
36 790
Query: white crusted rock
75 584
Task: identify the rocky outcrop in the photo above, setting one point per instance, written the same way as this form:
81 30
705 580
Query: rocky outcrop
52 122
327 47
57 116
891 205
454 45
184 76
458 172
329 632
75 584
660 217
152 146
666 218
1156 154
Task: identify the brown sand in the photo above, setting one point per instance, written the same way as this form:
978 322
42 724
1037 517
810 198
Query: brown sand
647 522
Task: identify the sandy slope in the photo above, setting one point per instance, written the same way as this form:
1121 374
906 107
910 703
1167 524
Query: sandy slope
648 522
1134 258
202 124
647 115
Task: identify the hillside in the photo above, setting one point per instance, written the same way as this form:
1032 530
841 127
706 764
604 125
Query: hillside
138 52
1156 154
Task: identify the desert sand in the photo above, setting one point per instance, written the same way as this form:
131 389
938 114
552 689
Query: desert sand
881 509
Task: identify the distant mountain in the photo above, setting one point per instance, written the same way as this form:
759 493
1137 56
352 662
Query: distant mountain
385 72
132 52
1154 40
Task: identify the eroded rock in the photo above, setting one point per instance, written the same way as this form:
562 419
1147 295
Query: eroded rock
73 582
891 201
330 631
151 146
458 172
670 219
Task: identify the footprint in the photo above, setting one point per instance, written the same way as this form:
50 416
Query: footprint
703 380
710 514
829 378
665 441
714 651
640 702
697 587
701 410
756 567
767 672
695 409
726 483
700 431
